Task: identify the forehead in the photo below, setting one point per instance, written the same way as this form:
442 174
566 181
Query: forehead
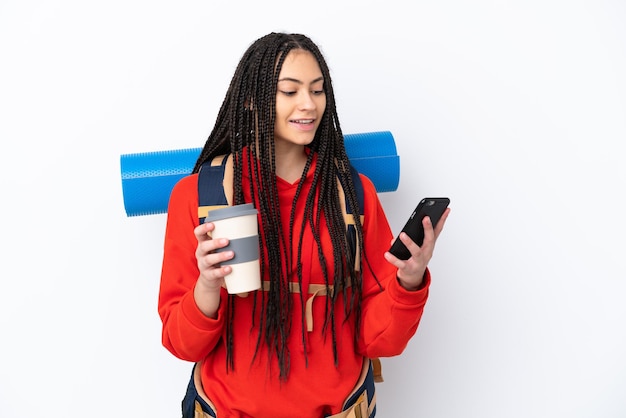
300 65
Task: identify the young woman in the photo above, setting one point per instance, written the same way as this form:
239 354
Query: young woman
300 346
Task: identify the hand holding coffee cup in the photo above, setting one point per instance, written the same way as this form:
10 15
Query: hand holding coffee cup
239 225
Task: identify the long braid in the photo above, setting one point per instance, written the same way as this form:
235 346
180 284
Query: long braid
245 124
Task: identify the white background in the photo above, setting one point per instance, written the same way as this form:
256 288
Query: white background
516 110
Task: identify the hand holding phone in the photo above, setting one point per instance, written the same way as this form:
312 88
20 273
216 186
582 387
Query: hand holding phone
433 207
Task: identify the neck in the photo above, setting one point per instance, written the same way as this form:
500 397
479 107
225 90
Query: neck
290 162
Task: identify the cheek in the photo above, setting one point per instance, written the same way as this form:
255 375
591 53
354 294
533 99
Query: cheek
282 109
321 104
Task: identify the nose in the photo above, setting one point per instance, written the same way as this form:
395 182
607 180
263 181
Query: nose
306 101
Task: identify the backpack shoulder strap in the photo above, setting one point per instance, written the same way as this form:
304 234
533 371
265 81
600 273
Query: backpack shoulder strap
215 185
348 211
352 242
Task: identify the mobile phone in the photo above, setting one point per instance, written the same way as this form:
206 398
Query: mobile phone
433 207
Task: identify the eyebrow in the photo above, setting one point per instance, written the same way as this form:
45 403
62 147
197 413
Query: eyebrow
295 80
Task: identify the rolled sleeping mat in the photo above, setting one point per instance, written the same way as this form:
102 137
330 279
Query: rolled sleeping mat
149 177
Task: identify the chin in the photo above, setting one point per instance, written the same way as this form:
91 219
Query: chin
297 138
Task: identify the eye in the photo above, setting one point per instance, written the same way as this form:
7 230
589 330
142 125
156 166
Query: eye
287 93
317 89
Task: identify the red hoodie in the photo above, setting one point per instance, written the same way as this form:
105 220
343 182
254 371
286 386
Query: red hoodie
390 317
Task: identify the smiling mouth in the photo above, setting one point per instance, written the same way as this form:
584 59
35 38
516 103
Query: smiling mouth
303 121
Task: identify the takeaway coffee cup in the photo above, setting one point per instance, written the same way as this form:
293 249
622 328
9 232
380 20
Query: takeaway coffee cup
239 224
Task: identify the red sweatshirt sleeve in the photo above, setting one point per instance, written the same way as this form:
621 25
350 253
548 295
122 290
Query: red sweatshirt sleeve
187 332
391 314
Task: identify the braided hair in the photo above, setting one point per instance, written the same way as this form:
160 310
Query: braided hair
245 125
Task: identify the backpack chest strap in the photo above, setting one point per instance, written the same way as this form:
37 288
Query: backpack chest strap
314 290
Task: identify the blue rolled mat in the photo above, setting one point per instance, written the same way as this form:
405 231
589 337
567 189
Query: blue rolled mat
148 177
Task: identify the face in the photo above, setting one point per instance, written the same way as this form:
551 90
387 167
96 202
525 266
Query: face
300 99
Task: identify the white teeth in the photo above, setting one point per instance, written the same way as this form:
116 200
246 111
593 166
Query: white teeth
305 122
